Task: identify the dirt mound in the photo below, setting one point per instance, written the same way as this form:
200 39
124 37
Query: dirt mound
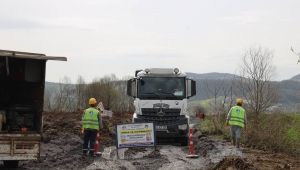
266 159
202 143
233 163
58 124
62 140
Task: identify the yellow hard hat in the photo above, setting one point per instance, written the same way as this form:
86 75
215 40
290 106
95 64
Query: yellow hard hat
92 101
239 101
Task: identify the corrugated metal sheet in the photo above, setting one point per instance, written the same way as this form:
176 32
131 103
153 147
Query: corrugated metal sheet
36 56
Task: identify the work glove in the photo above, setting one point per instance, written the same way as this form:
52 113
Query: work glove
227 124
82 131
245 128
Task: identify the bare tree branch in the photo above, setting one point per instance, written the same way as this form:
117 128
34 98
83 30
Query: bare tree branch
255 83
218 106
298 54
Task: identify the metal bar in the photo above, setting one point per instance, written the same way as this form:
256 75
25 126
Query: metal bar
37 57
7 68
20 52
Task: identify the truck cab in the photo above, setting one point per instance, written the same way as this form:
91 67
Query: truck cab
22 85
161 96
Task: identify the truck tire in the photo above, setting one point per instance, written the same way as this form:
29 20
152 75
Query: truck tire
11 164
184 141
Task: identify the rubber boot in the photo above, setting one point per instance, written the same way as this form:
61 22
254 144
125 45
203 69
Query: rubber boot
238 142
233 141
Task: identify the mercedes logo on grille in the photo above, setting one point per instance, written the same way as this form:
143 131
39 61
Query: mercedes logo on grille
161 112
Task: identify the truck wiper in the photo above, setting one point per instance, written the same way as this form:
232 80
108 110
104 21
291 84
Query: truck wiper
173 95
152 93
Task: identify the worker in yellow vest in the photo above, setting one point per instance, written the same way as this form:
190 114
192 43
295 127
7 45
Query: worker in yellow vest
91 122
237 120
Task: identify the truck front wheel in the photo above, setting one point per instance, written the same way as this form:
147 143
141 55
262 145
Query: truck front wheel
11 164
184 141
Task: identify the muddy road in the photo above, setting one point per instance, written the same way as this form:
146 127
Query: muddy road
62 148
164 157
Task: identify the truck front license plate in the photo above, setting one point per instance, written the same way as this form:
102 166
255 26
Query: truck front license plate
159 128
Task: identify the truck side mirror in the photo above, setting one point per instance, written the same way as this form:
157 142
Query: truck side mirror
193 88
129 91
131 87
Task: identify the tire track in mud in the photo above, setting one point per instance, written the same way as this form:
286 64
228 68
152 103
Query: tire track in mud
166 157
138 158
178 160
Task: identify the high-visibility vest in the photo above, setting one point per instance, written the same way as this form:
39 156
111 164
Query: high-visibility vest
237 116
90 119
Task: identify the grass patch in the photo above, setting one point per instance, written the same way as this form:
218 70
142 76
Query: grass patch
214 126
110 127
274 132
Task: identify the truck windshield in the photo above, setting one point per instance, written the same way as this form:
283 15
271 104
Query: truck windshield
162 87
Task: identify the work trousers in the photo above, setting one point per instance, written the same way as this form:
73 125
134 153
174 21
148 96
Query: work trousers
89 136
236 131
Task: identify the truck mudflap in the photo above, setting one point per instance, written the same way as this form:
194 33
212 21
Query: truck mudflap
25 146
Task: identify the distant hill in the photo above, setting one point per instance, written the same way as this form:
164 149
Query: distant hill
51 84
289 93
296 78
213 75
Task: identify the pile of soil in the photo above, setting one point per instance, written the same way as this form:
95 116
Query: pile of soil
263 159
62 140
203 143
233 163
60 124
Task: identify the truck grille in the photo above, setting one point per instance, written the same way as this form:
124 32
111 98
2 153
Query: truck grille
171 116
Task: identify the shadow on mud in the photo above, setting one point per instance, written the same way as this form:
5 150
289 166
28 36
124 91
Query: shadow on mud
167 141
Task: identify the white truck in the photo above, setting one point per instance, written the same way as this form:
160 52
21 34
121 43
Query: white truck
22 85
161 96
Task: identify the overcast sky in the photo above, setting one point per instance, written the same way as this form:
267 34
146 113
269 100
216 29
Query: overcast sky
119 36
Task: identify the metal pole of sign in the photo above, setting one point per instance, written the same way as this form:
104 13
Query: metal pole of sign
154 134
116 132
117 152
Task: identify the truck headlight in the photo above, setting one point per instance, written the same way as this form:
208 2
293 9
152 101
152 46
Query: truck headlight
137 110
182 127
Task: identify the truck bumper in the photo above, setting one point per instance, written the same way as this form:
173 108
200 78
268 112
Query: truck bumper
171 131
17 146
